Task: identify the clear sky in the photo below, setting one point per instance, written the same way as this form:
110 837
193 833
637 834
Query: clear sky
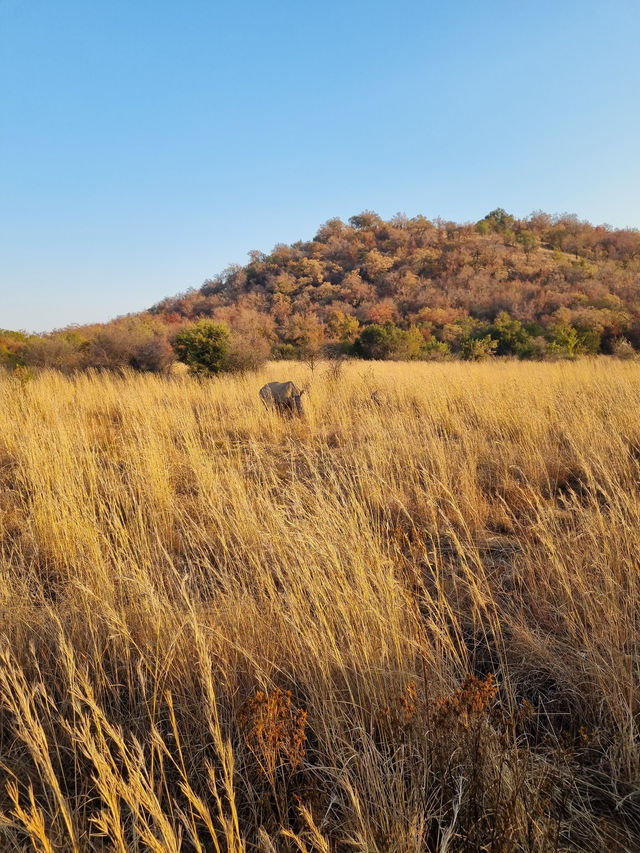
145 145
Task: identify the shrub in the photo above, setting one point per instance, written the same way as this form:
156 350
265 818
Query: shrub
590 341
624 350
306 333
247 353
155 355
564 342
435 350
22 373
132 342
12 345
112 347
375 341
477 349
285 352
65 351
204 347
511 337
388 341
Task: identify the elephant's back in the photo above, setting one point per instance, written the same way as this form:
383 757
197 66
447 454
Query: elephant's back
279 390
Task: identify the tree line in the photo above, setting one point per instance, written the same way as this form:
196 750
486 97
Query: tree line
407 288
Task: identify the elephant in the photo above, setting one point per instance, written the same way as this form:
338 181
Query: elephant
283 396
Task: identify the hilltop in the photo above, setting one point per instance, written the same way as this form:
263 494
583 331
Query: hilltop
408 288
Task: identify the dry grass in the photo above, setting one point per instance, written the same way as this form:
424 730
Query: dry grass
399 627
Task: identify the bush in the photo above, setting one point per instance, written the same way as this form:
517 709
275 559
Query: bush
590 341
65 352
284 352
247 353
388 341
566 342
155 355
204 347
132 342
375 341
435 350
477 349
112 347
624 350
12 345
511 337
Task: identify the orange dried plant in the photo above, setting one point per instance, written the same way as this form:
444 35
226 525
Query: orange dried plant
274 731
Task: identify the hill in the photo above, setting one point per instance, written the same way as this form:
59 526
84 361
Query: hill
544 286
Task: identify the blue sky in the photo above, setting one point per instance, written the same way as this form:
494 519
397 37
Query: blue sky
146 145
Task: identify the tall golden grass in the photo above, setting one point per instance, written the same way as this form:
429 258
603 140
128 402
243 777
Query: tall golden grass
399 627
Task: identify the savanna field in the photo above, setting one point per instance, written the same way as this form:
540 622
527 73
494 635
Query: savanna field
383 628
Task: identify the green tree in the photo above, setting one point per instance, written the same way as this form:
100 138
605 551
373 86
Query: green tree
564 342
375 341
388 341
500 220
510 335
590 341
342 327
477 349
435 350
528 241
411 344
204 347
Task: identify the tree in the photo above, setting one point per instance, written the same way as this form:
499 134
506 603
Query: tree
64 351
388 341
331 228
410 344
382 312
375 341
528 241
355 290
510 336
251 336
435 350
342 327
307 333
137 342
564 342
12 346
204 347
155 355
112 346
376 264
365 220
477 349
500 220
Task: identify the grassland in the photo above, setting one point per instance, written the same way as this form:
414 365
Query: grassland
393 628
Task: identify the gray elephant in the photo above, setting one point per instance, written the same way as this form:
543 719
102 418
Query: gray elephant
283 396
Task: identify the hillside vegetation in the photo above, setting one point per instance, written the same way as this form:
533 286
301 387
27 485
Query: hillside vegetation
541 287
398 627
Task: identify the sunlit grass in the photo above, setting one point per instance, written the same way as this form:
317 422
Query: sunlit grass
190 581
